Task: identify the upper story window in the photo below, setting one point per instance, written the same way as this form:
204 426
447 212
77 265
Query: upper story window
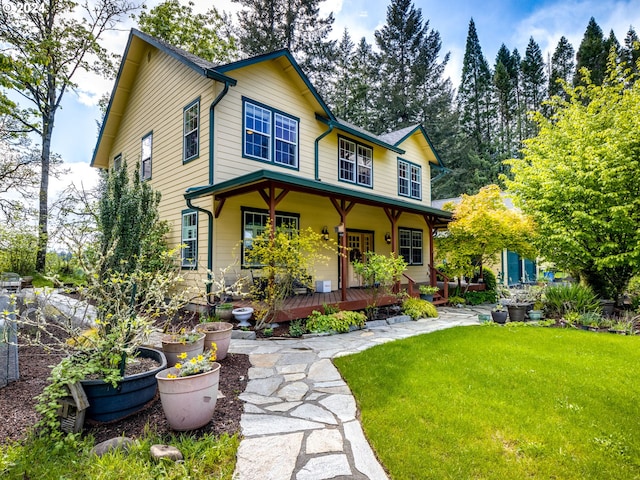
410 245
254 223
189 239
409 179
117 162
270 135
191 129
355 162
145 162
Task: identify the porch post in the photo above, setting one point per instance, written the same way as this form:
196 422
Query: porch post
343 208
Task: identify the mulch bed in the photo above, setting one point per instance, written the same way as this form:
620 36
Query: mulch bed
17 401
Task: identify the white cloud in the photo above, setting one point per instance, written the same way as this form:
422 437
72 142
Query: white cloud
82 175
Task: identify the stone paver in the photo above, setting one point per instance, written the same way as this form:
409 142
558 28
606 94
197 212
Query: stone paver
300 420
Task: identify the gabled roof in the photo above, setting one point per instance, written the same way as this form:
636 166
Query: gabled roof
397 137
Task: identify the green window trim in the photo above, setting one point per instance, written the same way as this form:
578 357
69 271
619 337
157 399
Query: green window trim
189 240
254 221
146 156
270 135
191 131
355 162
409 179
411 245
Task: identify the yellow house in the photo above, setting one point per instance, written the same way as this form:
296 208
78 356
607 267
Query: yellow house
230 146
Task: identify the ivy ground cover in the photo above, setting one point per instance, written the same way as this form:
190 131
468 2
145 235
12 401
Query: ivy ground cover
500 402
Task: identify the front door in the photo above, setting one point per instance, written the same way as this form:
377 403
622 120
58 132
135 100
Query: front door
358 243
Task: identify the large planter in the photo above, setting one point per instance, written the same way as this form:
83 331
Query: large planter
218 333
517 312
499 316
243 315
173 348
133 393
188 402
224 313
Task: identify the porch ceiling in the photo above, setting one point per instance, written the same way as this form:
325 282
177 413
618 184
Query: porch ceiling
264 179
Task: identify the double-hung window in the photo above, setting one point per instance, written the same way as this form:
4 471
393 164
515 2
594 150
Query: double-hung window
355 162
191 129
117 162
409 179
145 162
189 239
410 245
270 135
254 223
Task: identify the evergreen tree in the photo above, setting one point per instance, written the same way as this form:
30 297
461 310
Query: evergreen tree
268 25
505 87
410 72
592 55
364 81
534 82
475 99
341 90
612 42
562 67
630 53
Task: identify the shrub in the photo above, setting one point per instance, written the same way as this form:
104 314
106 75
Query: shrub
296 328
476 298
561 299
490 282
335 322
456 300
417 308
18 251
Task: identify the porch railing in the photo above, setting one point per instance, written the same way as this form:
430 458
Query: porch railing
434 275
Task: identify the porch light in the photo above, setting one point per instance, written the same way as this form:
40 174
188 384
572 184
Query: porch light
325 233
387 238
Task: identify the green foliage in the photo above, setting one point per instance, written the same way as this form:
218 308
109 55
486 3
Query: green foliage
197 33
490 281
285 256
456 300
205 457
17 250
577 180
379 274
482 227
339 322
517 399
417 308
478 297
561 299
297 328
428 289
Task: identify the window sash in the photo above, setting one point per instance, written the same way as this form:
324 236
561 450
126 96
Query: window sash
416 183
146 153
410 246
409 180
286 135
403 178
191 129
189 239
257 122
117 162
355 162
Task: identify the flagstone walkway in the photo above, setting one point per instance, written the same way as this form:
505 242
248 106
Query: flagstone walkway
300 419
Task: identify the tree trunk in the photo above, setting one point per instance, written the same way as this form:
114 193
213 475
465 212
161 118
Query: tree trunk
45 160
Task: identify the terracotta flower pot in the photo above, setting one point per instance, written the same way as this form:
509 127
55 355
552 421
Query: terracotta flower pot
218 333
172 348
188 402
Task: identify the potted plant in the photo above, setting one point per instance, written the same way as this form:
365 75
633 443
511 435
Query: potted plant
484 317
175 344
499 314
427 292
216 332
189 391
223 311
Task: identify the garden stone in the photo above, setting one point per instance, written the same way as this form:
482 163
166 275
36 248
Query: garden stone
242 335
329 466
255 457
264 386
324 441
314 413
117 443
158 452
363 456
343 406
293 392
253 425
398 319
323 371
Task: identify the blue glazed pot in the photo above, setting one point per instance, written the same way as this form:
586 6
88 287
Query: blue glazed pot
107 404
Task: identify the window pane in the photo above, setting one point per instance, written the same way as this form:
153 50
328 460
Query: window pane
403 178
416 187
257 124
365 156
416 247
404 245
189 239
347 160
191 122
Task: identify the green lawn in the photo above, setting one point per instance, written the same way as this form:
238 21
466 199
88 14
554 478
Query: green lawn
502 403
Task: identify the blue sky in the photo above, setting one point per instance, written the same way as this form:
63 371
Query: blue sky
497 22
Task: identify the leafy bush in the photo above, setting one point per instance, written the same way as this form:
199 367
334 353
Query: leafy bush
476 298
417 308
296 328
561 299
456 300
335 322
18 250
490 281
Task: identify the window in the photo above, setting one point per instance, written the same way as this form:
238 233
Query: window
191 128
145 163
189 239
270 135
117 162
355 162
410 245
254 223
409 180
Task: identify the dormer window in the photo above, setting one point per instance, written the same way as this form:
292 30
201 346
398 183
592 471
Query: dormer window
355 162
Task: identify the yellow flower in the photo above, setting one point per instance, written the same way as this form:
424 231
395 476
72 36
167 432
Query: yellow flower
178 366
182 356
171 375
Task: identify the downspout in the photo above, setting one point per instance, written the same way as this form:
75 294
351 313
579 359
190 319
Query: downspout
211 127
316 151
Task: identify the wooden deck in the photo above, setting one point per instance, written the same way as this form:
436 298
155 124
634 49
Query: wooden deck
301 306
